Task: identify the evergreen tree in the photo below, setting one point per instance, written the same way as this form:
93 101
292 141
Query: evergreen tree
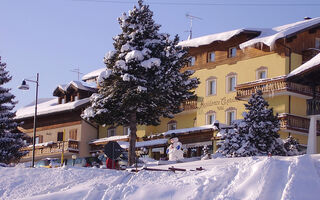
256 134
143 79
11 140
292 146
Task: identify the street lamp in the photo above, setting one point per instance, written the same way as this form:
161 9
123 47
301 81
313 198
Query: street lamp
25 86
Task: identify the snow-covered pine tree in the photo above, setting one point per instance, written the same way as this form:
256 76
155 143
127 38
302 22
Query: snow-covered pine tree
292 146
256 134
143 79
11 140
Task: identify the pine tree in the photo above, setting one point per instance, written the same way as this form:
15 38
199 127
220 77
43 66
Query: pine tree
256 134
292 146
11 140
143 79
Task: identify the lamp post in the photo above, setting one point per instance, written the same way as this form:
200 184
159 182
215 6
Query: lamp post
25 86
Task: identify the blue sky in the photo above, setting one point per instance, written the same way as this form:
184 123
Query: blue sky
53 37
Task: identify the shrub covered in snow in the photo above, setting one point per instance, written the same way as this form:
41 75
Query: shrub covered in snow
11 140
256 134
143 80
292 146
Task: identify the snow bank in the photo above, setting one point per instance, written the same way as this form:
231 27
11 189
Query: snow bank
248 178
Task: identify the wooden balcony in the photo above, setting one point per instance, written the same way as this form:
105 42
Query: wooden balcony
313 106
274 87
296 124
189 105
53 149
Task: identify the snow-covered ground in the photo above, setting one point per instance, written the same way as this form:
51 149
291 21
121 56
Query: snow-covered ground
223 178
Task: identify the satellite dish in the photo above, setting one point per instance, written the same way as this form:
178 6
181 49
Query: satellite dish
112 150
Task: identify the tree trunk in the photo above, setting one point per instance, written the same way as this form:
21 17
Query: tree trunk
132 139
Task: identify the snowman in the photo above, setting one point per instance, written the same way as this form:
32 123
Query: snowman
175 149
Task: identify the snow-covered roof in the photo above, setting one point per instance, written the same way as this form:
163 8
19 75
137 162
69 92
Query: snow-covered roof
269 36
208 39
76 84
188 130
148 143
107 139
48 107
93 75
315 61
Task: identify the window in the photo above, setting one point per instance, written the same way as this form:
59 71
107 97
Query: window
172 125
317 43
60 136
231 82
210 117
230 116
192 60
111 132
211 56
126 130
232 52
261 73
37 140
211 86
73 134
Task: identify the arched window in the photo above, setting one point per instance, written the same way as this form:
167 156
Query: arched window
231 82
261 73
211 86
231 115
210 117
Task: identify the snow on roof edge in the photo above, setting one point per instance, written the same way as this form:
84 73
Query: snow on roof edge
93 74
315 61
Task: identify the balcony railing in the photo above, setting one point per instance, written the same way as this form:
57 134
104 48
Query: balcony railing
189 105
296 123
273 86
313 106
54 148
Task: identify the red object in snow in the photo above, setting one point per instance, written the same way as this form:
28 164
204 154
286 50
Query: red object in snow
111 164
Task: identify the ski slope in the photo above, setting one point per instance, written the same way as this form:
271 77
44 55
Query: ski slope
260 178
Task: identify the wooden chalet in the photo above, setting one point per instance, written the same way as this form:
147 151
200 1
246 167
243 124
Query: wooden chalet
59 124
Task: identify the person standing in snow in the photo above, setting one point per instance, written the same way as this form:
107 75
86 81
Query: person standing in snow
175 149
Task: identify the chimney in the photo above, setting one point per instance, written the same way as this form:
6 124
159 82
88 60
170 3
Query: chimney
307 18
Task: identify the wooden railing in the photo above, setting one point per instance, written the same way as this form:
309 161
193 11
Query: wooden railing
296 123
55 148
189 105
272 86
313 106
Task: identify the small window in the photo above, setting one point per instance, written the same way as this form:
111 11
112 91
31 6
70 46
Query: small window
60 136
172 125
76 98
73 134
211 86
232 52
37 140
111 132
317 43
192 60
231 83
210 117
126 130
211 56
262 74
230 116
